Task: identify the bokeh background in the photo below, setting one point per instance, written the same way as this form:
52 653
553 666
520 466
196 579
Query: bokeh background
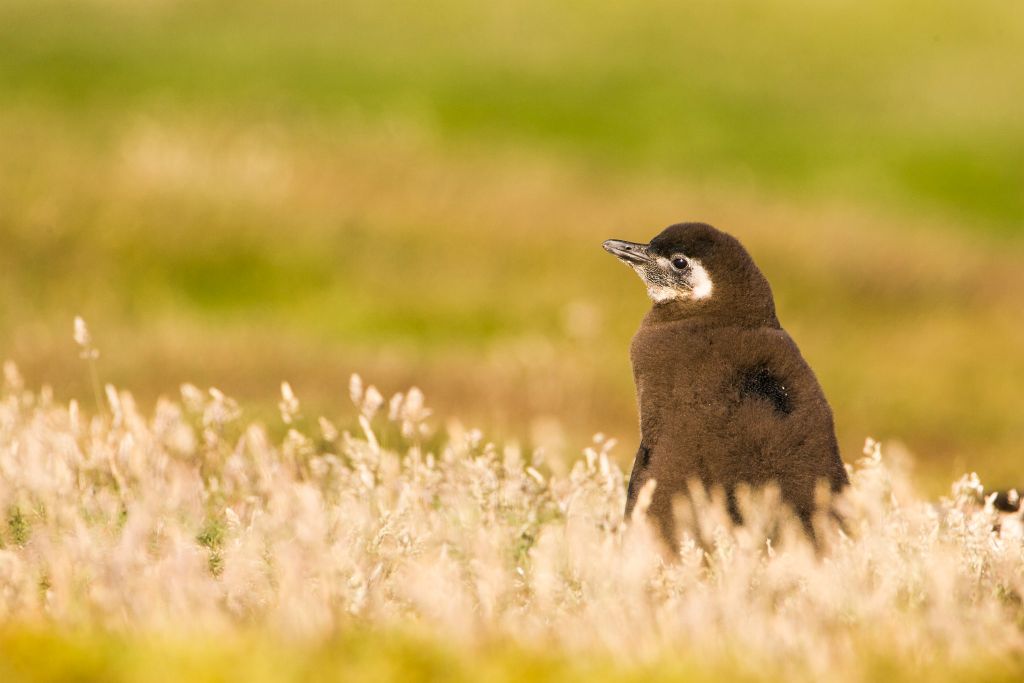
239 193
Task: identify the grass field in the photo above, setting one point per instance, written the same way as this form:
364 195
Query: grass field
237 194
188 544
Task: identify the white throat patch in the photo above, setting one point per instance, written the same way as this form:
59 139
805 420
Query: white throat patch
660 293
699 279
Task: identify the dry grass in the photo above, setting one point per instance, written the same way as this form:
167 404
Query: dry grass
190 522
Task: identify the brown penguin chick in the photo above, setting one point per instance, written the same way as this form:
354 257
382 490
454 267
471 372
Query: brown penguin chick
725 397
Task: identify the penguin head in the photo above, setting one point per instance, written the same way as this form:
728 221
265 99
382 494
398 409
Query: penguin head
692 267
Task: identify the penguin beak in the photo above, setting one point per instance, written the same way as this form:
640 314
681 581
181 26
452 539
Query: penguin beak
632 253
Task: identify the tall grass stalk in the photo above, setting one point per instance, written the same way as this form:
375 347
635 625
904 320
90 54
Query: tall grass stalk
90 354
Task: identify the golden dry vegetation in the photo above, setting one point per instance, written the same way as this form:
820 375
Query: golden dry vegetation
188 526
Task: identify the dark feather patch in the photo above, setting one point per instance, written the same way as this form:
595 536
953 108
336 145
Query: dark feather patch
759 382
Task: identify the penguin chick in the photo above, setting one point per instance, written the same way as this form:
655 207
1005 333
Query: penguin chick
725 397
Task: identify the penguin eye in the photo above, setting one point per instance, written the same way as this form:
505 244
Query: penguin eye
679 263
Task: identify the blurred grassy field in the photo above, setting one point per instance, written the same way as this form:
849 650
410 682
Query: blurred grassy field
240 193
31 654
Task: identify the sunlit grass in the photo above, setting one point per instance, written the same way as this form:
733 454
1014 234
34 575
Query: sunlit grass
189 542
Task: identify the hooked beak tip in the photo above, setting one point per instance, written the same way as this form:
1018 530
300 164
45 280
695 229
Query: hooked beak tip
630 252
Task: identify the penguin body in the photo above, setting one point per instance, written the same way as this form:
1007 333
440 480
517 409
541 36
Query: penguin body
725 396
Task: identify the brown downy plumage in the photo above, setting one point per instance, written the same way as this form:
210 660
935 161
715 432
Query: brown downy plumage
725 397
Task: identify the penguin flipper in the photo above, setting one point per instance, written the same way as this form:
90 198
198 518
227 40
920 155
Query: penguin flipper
776 372
637 477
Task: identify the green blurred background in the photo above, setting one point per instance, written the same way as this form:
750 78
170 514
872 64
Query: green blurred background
239 193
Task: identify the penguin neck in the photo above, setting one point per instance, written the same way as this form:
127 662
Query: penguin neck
756 309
